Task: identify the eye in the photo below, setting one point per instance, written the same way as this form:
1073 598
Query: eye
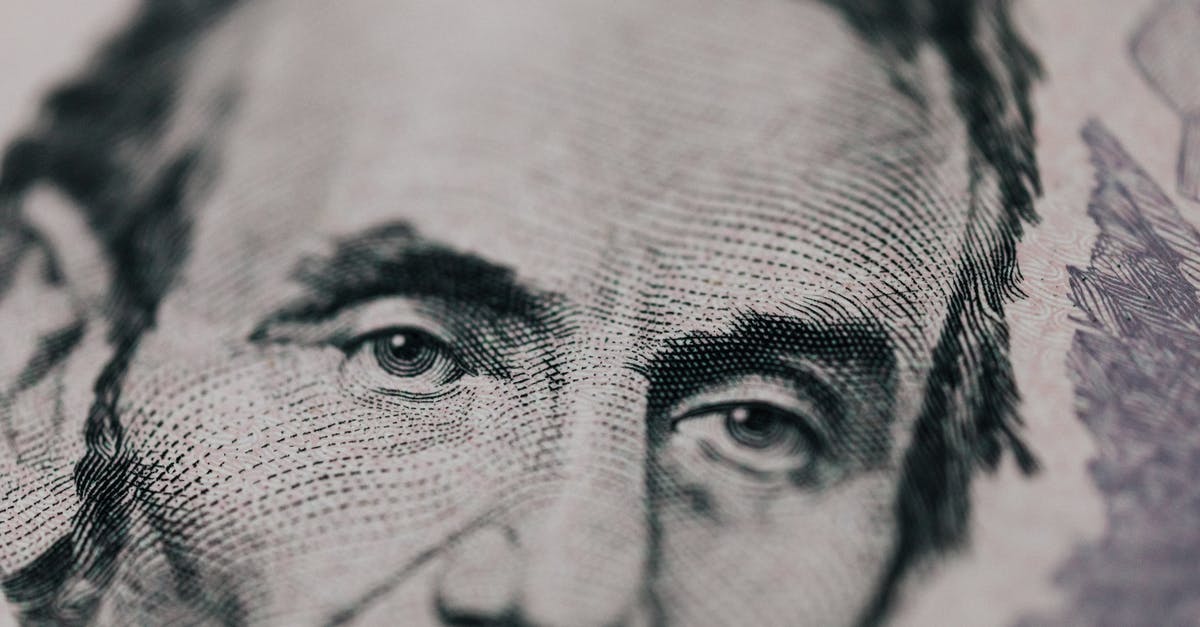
757 438
404 361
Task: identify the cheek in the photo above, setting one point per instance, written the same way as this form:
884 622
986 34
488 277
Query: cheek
268 465
800 557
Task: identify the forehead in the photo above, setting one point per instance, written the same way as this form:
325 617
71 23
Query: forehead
667 162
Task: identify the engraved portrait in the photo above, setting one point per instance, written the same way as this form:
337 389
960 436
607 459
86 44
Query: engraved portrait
526 312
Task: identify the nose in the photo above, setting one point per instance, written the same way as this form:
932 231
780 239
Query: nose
480 583
579 555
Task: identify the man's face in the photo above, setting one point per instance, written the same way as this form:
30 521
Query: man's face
578 313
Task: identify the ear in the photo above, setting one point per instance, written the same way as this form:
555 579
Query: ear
54 284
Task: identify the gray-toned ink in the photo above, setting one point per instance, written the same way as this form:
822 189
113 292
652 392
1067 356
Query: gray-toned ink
1134 366
1166 48
534 312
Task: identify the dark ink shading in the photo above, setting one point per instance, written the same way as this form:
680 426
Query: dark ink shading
1134 365
392 260
969 414
855 410
137 211
767 345
991 79
1166 49
81 145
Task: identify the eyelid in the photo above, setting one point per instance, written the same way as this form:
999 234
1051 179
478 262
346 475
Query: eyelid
386 315
379 315
800 396
472 336
357 342
359 321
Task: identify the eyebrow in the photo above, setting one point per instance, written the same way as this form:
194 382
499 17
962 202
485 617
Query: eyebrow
769 344
391 260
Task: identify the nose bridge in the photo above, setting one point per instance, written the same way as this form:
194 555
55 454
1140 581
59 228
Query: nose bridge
587 551
603 412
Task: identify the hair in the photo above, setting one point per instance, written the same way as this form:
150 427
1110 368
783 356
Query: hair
969 413
969 416
93 128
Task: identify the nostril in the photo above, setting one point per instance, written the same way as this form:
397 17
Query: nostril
459 618
480 581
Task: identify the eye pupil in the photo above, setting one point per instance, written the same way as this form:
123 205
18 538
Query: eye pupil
406 353
404 346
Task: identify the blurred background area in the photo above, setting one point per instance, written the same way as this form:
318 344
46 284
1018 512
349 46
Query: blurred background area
41 41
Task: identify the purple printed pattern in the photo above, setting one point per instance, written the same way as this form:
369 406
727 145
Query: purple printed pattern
1166 49
1134 363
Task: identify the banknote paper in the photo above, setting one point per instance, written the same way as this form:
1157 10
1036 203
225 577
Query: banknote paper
654 312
